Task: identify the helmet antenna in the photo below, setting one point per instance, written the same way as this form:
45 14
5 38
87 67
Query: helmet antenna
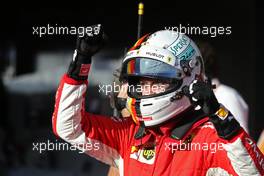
140 19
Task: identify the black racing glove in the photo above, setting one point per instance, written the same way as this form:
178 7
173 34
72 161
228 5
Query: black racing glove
86 46
202 97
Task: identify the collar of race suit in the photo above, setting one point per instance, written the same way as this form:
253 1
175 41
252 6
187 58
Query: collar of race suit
176 129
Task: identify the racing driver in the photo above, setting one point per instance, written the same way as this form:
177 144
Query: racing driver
174 114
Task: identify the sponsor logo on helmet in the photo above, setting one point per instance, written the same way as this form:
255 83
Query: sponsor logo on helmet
155 55
178 47
147 118
169 59
187 54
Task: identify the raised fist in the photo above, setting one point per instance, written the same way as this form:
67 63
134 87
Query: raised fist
86 46
90 43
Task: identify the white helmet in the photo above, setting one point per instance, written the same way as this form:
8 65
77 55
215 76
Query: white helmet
163 55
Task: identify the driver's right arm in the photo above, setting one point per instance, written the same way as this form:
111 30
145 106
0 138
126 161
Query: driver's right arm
97 135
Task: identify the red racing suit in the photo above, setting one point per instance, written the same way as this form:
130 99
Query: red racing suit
199 152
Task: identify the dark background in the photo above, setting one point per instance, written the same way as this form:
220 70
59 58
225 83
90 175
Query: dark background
237 53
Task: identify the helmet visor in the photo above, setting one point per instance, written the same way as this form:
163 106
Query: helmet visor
146 67
150 78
